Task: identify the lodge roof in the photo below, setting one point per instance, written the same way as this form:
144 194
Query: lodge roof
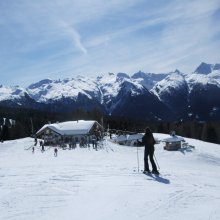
70 127
173 138
130 137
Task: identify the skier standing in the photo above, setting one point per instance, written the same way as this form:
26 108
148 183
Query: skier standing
93 143
55 152
74 143
148 141
35 142
42 147
96 145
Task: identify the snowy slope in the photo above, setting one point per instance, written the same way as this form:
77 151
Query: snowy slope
124 96
113 87
205 75
212 79
173 91
105 184
169 85
177 80
109 87
193 95
204 93
148 80
11 93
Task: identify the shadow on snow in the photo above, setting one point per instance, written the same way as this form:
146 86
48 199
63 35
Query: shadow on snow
159 179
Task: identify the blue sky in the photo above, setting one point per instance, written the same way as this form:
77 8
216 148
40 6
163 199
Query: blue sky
64 38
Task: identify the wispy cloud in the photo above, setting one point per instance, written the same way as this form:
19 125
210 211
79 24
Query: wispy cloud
64 38
73 34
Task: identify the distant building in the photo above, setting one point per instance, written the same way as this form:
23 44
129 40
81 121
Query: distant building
173 142
69 131
121 139
129 139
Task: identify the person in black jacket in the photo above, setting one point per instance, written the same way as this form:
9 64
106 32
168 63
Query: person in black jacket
148 141
55 152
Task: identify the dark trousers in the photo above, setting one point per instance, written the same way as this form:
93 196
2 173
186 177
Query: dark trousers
149 153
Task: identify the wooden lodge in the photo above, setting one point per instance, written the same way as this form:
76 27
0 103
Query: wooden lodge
70 131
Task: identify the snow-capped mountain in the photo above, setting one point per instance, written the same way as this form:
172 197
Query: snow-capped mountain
52 90
173 90
11 93
114 88
16 96
204 94
165 96
126 97
148 80
193 95
110 92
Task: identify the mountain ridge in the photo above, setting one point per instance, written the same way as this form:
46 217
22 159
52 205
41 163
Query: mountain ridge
177 92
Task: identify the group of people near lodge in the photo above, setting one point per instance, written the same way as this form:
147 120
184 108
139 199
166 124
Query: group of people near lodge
148 141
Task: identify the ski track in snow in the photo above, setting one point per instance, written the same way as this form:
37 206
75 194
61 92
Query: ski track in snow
105 184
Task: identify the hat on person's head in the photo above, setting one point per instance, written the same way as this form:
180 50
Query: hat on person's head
147 130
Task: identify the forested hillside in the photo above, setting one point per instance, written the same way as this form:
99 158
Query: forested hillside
19 123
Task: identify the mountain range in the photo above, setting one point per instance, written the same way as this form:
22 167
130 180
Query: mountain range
142 96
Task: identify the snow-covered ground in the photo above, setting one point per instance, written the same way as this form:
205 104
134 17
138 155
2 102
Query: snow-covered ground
106 185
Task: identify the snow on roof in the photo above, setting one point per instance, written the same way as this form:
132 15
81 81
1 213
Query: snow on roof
121 138
134 137
70 127
173 139
129 137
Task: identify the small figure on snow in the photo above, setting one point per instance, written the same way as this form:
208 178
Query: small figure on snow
74 143
94 143
35 142
32 149
55 152
42 147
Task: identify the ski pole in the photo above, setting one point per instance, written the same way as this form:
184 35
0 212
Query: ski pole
28 147
138 159
156 162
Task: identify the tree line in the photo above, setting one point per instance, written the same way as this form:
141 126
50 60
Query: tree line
18 123
206 131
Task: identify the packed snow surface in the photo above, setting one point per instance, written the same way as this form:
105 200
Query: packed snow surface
106 185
